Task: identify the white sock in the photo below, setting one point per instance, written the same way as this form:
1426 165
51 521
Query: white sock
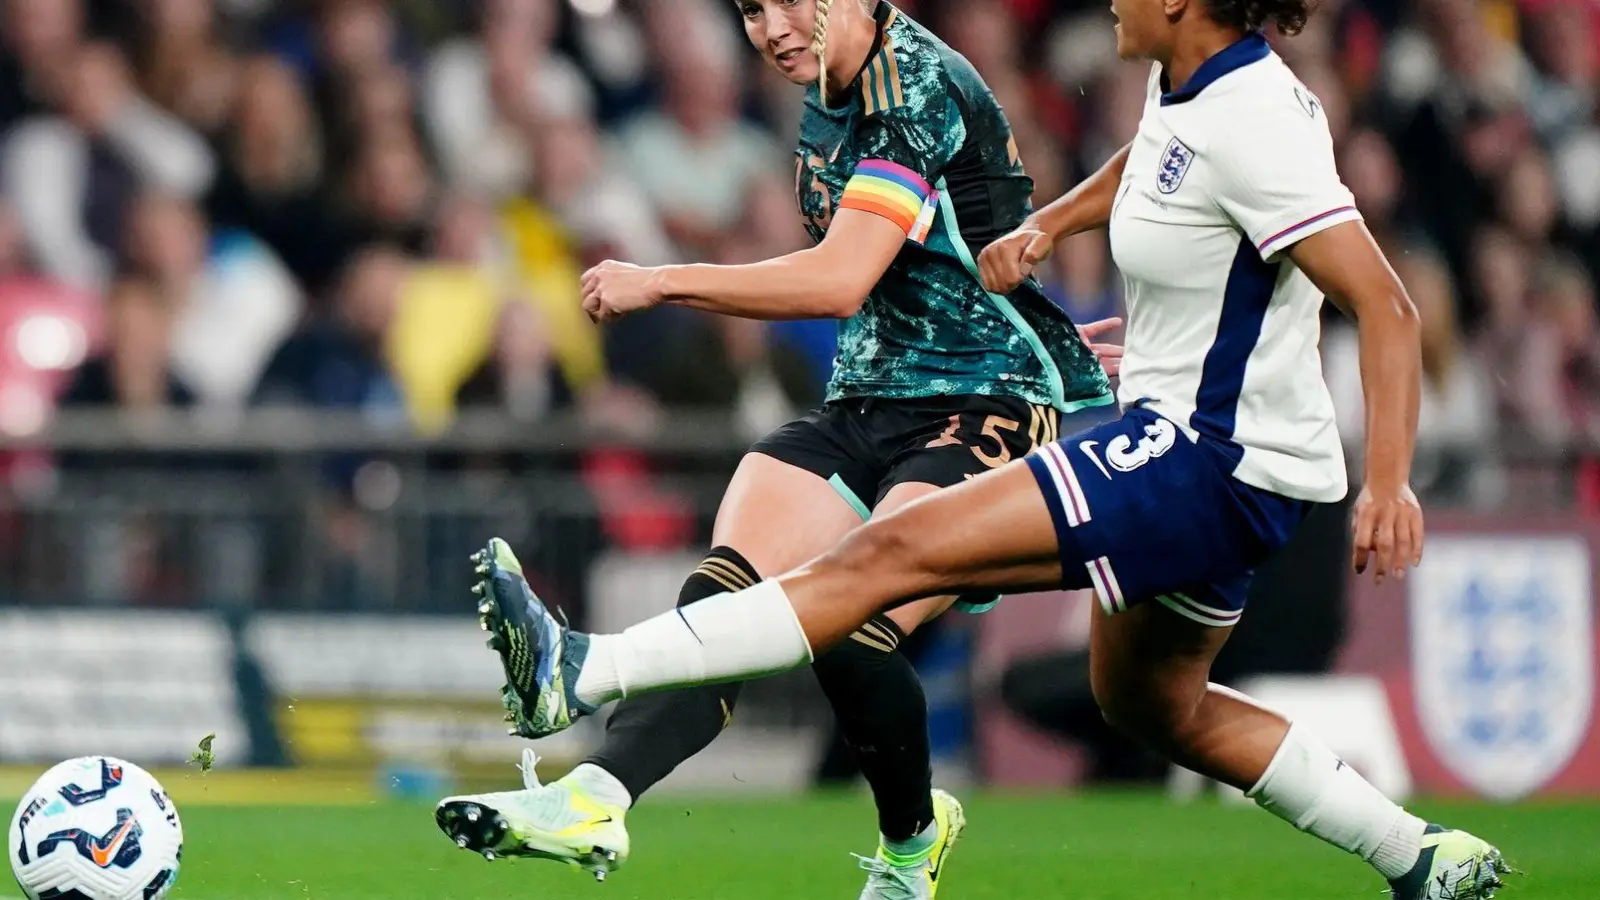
729 637
601 785
1309 787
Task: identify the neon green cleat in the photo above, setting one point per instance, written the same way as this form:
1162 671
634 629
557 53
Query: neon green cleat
560 821
917 878
1454 866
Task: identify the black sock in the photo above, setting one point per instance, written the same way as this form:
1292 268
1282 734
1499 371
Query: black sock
883 713
649 735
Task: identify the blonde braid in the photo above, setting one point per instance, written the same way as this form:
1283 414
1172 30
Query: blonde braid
819 44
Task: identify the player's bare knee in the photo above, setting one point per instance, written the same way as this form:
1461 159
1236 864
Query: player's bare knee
882 548
1153 714
1121 711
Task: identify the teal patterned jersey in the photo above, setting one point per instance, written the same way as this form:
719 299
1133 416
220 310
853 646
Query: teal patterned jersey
920 140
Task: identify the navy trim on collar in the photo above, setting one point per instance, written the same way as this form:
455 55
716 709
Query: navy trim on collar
1251 48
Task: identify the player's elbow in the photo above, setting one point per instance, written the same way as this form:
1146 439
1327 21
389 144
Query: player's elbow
1393 308
844 301
1387 306
1401 307
840 292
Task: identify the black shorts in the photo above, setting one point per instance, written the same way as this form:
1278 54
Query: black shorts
864 446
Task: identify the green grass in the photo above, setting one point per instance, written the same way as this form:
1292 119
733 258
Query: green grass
1094 847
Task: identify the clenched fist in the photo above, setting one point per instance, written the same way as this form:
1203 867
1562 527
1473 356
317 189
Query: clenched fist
613 289
1009 261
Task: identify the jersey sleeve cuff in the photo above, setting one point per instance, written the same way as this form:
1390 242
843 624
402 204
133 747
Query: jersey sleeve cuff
894 192
1300 228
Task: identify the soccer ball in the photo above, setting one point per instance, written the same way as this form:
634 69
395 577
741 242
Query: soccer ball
96 828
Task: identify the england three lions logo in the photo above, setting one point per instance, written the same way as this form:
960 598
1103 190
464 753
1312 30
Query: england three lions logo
1174 165
1502 643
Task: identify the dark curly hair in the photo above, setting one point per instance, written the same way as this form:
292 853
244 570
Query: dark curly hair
1251 15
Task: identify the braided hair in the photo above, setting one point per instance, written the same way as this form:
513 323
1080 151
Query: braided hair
819 44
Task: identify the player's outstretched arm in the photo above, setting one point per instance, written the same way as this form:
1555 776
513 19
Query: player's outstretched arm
1006 263
830 280
1345 262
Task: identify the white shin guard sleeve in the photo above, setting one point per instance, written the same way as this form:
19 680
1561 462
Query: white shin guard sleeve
729 637
1312 789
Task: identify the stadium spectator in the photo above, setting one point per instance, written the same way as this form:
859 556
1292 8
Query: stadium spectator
135 371
695 157
348 39
520 377
596 197
379 101
1553 370
40 37
234 300
487 96
271 182
182 65
339 362
389 191
72 173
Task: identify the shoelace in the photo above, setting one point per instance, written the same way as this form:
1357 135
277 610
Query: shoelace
893 883
528 767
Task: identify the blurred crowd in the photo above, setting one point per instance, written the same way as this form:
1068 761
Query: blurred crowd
383 207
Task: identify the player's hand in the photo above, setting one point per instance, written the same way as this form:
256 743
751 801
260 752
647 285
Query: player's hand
613 289
1009 261
1387 532
1110 355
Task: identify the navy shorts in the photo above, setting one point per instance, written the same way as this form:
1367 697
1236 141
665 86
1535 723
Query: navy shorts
1143 512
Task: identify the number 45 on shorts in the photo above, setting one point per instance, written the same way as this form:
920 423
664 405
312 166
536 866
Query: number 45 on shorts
995 438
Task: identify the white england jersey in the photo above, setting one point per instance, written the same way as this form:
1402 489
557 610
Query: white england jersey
1226 174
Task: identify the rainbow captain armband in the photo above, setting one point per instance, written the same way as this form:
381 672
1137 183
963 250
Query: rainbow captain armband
894 192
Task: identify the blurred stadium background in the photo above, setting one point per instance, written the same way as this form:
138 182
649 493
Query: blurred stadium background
288 301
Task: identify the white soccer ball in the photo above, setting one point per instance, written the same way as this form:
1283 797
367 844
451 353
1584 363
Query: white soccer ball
96 828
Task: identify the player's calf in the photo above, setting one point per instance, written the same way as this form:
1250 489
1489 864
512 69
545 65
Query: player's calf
649 736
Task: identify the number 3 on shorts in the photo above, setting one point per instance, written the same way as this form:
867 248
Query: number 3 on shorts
1122 454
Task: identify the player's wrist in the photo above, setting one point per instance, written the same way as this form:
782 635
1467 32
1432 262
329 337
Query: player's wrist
1385 485
1048 220
669 284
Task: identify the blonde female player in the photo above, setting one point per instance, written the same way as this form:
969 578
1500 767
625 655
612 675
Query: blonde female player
905 170
1230 225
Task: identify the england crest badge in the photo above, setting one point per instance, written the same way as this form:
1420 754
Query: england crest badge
1502 655
1174 165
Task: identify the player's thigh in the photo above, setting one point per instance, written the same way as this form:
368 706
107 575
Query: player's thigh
994 532
1150 666
912 615
778 515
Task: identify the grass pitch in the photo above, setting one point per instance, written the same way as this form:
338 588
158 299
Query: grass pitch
1084 847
